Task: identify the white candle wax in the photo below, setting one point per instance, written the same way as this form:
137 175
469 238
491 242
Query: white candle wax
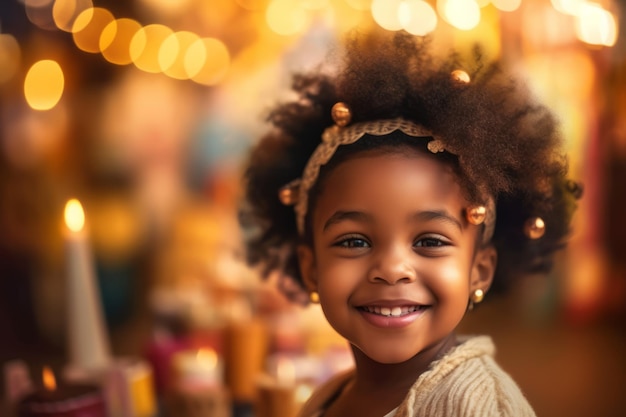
88 343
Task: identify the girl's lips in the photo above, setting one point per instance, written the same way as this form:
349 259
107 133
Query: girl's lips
392 316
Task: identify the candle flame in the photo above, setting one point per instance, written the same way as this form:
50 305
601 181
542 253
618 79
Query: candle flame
74 215
49 381
285 371
207 356
303 392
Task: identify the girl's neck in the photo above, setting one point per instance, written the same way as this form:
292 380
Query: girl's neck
372 376
378 388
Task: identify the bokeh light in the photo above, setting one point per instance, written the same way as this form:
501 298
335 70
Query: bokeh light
462 14
595 25
39 13
286 17
65 12
173 53
115 40
567 6
145 46
507 5
88 27
387 13
420 18
44 84
207 61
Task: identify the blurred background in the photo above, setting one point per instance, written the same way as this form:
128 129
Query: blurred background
142 113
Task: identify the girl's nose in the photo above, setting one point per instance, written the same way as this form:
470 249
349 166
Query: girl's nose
392 266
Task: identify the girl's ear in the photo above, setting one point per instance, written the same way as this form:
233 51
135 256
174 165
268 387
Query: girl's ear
484 268
306 260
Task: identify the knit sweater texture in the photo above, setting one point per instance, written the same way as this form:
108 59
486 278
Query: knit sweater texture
466 382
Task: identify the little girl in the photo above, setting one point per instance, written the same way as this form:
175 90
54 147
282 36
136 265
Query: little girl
398 192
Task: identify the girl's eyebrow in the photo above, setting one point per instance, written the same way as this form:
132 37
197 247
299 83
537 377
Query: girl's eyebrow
440 215
340 216
427 215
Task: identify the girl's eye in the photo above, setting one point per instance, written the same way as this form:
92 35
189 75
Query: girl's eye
353 242
430 242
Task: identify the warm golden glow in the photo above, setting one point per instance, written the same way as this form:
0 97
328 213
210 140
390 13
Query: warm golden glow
44 84
252 5
285 371
417 17
10 56
462 14
173 52
145 46
568 6
359 4
387 13
88 27
65 12
595 25
207 357
49 381
314 4
74 215
303 393
286 17
115 40
507 5
167 7
207 61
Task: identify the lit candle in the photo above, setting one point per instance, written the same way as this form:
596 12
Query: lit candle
197 387
87 338
62 400
197 368
277 394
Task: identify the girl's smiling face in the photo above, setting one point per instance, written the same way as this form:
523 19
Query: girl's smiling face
393 259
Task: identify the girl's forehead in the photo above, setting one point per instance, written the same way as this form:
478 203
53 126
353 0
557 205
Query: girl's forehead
393 174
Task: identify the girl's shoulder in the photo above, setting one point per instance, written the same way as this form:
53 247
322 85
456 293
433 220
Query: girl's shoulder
467 381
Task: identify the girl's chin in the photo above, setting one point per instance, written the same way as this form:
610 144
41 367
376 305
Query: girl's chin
387 356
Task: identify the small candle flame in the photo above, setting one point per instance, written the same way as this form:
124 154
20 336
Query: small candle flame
285 371
207 356
74 215
303 392
49 381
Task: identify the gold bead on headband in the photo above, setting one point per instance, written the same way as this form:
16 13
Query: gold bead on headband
476 215
460 76
534 228
341 114
288 194
297 191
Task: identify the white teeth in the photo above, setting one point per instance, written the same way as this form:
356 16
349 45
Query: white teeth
391 312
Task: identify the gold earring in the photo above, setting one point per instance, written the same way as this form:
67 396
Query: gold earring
476 297
314 297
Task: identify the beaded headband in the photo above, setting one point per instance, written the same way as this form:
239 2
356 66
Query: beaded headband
296 192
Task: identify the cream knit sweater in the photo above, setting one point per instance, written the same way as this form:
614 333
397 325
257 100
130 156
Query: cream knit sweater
466 382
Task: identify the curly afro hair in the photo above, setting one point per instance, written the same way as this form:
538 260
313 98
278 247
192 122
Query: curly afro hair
506 144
